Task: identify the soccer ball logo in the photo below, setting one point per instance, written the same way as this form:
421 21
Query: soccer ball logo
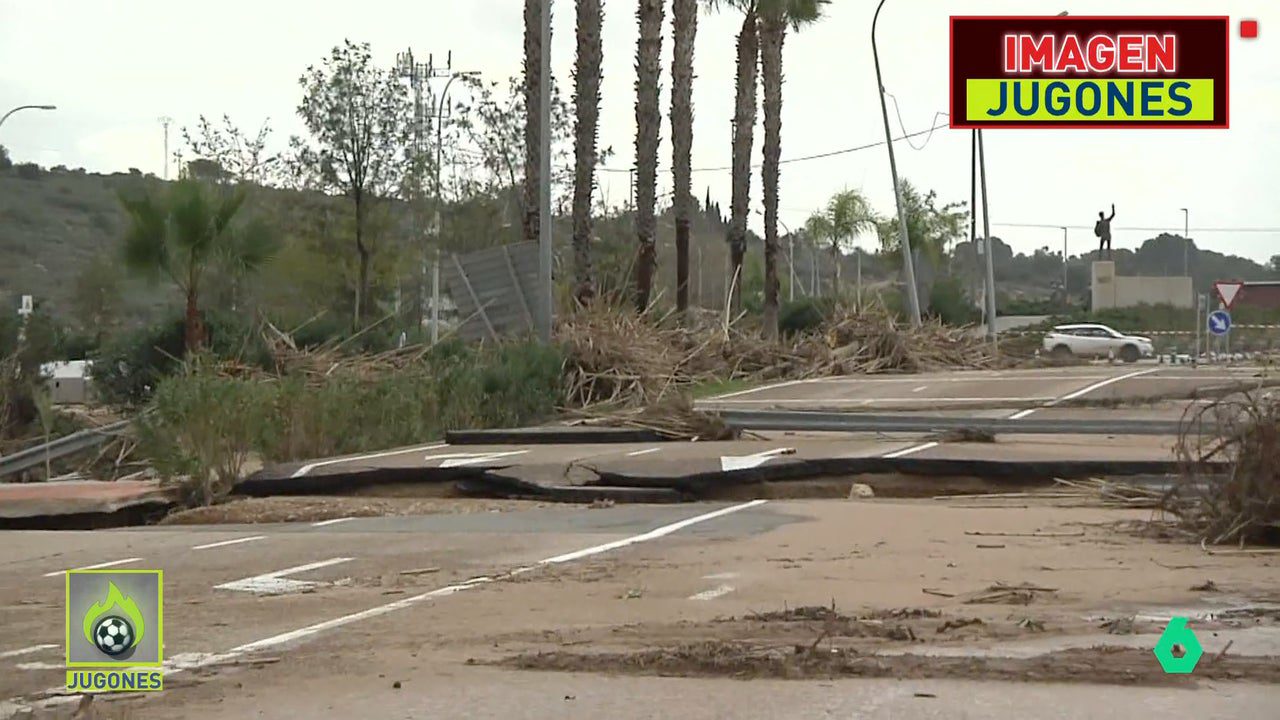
113 635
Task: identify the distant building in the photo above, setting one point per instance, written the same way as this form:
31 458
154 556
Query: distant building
68 382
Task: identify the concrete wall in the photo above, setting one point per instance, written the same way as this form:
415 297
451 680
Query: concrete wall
1116 291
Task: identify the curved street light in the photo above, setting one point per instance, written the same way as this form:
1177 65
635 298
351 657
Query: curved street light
913 299
26 107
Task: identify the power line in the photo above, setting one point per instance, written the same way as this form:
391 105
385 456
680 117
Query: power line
1144 229
804 158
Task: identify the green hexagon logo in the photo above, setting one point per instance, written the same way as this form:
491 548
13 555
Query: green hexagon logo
1177 633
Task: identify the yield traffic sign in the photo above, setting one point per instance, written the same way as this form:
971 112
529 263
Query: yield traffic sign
1228 291
1219 322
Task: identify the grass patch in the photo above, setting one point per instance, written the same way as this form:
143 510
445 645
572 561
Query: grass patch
205 424
713 388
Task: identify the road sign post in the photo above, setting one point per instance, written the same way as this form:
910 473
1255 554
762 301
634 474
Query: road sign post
1219 326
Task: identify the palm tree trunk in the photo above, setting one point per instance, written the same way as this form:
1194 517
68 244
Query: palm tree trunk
587 71
772 33
744 120
684 30
532 118
193 327
648 125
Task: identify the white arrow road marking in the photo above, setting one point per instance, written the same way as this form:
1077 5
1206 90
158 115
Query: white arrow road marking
746 462
713 593
372 456
113 563
276 584
26 651
449 460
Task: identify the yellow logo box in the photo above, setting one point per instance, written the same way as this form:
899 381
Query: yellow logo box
1172 100
124 680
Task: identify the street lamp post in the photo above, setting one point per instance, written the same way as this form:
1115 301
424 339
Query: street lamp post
913 298
436 219
1186 242
26 107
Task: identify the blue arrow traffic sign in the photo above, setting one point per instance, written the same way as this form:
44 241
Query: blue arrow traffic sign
1219 322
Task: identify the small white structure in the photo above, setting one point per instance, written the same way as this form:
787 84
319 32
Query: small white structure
69 382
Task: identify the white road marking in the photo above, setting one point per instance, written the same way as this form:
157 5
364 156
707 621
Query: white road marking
746 462
42 666
1083 391
225 543
99 566
27 650
191 661
334 521
371 456
449 460
276 584
713 593
721 576
643 452
922 387
762 388
910 450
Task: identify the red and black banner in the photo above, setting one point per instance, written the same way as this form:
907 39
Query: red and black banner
1097 72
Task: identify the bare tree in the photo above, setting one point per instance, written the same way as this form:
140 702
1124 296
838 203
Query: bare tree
648 127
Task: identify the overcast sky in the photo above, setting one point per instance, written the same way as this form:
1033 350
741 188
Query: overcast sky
114 68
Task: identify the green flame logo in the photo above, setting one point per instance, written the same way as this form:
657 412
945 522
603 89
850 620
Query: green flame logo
115 600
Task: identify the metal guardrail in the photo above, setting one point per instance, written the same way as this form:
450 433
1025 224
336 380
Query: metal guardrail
69 445
864 422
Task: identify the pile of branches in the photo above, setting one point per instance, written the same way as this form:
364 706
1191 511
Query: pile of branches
872 341
316 364
672 417
1241 504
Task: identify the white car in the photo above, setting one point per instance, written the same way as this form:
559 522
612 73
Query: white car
1089 340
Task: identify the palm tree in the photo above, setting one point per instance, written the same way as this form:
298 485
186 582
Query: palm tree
744 120
684 30
819 229
850 214
775 17
586 74
186 231
532 118
648 126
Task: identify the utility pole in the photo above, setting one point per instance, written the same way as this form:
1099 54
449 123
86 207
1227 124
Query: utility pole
986 231
1186 243
419 75
908 267
1065 295
544 200
165 121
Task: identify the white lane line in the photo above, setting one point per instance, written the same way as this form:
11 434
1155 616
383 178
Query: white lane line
225 543
910 450
922 387
42 666
746 462
192 661
762 388
643 452
1083 391
449 460
334 521
713 593
720 576
275 583
27 650
113 563
371 456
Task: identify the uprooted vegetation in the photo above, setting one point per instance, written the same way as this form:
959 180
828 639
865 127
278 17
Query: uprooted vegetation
216 417
1239 505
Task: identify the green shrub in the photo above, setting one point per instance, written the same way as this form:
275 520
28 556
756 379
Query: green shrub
28 171
949 303
129 367
805 314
